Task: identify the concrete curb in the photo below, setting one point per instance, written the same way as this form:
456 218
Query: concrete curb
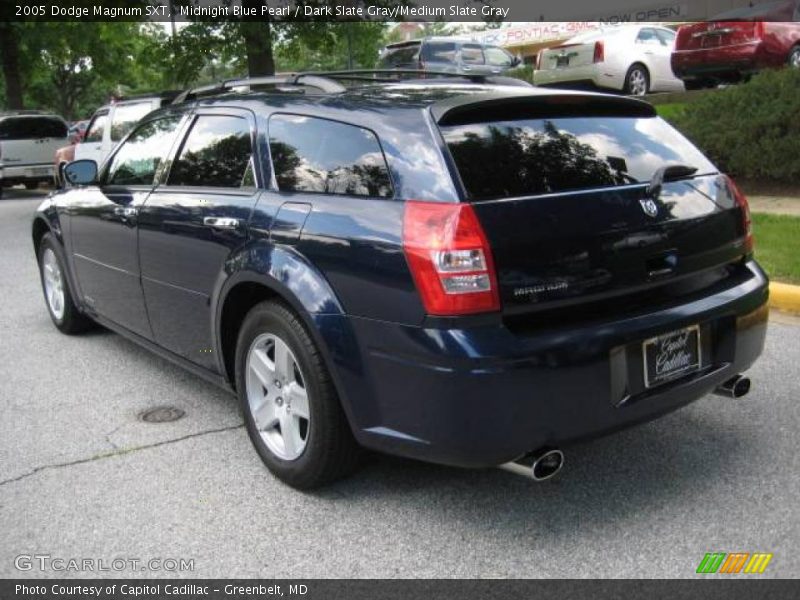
785 297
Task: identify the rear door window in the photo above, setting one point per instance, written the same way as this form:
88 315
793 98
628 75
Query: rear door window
32 128
648 36
96 128
439 52
217 153
125 117
507 159
472 54
138 159
322 156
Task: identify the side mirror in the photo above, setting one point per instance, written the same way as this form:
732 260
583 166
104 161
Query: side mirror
81 172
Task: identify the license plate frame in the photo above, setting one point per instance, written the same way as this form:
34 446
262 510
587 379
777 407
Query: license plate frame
562 62
680 350
41 171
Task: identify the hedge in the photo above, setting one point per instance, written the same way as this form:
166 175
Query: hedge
750 130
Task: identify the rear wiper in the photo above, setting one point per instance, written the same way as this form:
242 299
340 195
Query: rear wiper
667 173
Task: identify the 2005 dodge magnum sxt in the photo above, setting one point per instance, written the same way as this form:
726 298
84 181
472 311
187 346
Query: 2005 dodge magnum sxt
446 269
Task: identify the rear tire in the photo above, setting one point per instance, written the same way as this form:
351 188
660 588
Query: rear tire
57 293
794 57
290 406
637 80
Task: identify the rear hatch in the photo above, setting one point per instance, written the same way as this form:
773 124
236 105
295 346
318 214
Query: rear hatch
716 34
560 186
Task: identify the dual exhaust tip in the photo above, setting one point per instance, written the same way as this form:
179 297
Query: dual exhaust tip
545 463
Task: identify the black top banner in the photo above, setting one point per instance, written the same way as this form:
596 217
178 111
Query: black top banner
489 11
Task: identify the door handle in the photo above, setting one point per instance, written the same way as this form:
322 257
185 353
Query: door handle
126 211
221 222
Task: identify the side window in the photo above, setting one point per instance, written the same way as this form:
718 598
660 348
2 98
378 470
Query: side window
125 117
666 36
647 36
137 160
317 155
216 153
472 54
96 129
439 52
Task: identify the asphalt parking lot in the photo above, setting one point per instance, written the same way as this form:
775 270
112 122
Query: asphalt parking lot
82 477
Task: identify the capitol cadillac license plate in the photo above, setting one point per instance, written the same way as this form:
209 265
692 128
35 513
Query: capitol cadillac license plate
671 355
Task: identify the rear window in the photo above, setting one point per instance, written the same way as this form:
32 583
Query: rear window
29 128
405 55
507 159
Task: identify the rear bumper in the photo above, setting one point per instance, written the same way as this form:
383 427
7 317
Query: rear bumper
11 175
485 395
597 75
724 62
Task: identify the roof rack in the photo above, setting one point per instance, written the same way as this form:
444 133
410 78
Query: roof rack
295 81
327 82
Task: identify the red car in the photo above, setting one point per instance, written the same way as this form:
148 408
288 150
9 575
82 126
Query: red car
737 44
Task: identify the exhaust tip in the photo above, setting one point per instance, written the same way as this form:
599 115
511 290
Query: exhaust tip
735 387
539 466
547 465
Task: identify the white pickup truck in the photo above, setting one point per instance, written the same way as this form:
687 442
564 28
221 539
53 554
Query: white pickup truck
28 141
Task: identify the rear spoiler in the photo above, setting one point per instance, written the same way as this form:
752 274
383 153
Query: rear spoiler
506 105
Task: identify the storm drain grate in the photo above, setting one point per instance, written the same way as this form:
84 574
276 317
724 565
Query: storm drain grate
161 414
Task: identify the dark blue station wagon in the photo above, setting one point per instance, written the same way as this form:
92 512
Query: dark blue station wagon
459 272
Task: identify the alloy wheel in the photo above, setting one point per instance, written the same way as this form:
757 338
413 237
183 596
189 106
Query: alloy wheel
277 396
637 82
53 283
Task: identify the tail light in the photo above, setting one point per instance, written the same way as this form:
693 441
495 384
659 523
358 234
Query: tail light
747 223
599 52
539 56
449 258
758 30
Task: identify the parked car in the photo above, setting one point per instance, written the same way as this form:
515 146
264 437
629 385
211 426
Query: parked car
27 142
463 273
447 55
110 123
633 59
737 44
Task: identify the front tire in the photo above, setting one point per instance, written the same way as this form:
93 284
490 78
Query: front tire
291 409
637 81
57 293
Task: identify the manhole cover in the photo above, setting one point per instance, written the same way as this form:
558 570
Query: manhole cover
161 414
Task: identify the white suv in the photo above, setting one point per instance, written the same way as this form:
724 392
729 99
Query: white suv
28 141
110 123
